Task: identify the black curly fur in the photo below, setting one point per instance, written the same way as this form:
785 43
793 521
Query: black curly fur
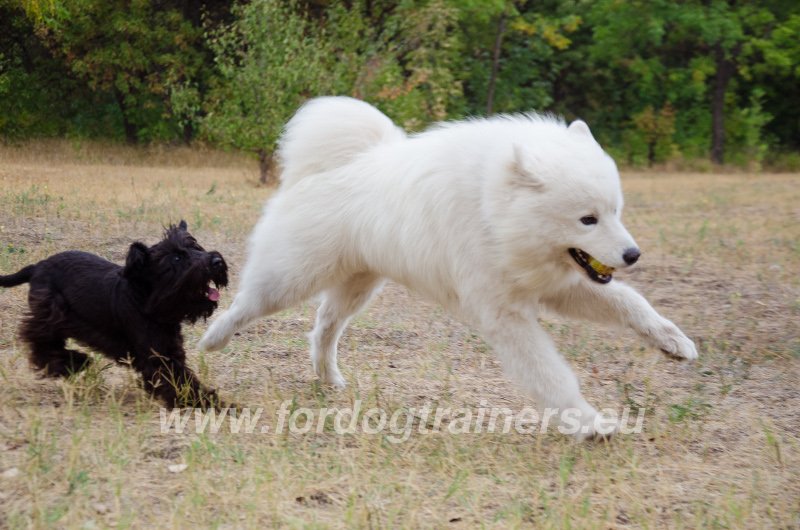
130 314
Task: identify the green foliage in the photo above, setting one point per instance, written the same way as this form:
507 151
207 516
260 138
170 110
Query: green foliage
132 50
656 79
404 66
665 53
401 56
411 76
745 132
650 139
33 87
35 9
269 60
536 50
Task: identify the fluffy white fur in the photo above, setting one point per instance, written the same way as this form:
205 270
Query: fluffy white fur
477 215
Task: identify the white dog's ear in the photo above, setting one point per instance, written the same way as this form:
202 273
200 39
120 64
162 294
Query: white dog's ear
522 169
579 127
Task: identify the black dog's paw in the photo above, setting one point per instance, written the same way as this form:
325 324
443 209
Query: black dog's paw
65 366
204 399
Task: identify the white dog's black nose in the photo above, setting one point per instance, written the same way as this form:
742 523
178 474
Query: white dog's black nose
631 255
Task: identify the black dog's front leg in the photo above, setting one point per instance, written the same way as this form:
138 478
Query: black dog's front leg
168 378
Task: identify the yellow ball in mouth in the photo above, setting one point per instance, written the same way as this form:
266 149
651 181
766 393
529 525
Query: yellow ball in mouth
600 268
596 269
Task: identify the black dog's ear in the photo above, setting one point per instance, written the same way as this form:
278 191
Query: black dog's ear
183 226
137 260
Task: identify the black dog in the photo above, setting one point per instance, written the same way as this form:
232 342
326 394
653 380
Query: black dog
131 313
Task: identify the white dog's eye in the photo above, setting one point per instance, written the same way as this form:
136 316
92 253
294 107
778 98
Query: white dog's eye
589 220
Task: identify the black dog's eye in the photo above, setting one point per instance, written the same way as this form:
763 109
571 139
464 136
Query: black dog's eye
177 258
589 220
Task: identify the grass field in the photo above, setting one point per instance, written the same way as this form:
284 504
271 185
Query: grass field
720 447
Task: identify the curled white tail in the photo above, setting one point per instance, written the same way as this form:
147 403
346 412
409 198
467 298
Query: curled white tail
329 132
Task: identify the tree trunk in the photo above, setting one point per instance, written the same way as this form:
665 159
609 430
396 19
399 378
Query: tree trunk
188 133
131 135
721 80
265 166
498 44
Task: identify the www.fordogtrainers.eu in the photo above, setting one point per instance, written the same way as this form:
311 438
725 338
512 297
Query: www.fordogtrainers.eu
398 425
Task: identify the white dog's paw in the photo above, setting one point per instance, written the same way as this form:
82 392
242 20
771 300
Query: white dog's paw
334 378
328 375
600 428
584 422
331 376
671 340
211 342
217 335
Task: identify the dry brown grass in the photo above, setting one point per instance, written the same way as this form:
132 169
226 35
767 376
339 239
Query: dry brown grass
720 446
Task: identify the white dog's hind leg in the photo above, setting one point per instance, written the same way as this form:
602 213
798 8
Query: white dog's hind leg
339 304
247 306
529 357
274 283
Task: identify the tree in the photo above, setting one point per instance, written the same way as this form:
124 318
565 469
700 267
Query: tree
684 54
515 53
774 78
131 49
269 60
403 57
420 55
655 78
40 96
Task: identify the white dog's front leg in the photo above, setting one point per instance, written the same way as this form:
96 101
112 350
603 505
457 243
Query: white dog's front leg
530 359
618 303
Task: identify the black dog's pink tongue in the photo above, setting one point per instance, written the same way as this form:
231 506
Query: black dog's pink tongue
212 294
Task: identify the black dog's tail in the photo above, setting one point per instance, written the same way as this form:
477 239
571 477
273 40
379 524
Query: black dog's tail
23 276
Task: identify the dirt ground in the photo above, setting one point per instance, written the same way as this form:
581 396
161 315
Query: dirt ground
719 448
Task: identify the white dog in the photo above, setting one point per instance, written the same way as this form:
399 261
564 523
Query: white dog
495 219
